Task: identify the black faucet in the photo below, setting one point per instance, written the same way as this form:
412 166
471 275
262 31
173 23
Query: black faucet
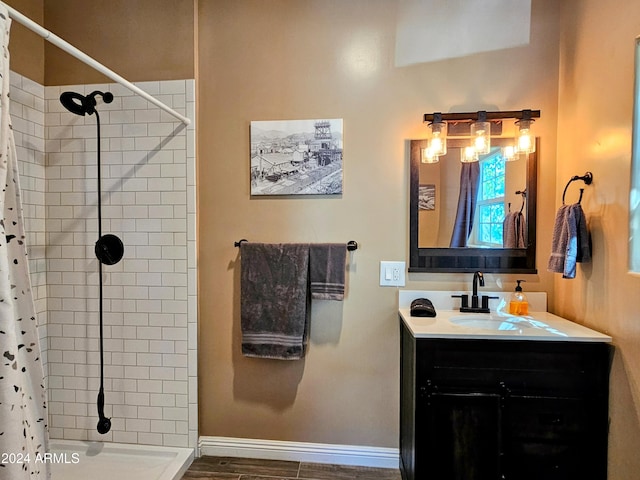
478 279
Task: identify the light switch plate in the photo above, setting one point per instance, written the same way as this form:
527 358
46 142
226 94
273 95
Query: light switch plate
392 274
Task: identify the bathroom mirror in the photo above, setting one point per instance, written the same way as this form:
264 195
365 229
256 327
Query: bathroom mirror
500 188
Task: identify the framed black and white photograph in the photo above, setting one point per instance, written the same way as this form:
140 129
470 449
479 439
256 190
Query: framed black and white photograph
296 157
427 197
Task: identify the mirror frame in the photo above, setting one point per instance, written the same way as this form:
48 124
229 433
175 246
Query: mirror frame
466 260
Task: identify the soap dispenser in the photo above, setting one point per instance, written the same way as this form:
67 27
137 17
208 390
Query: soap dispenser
518 304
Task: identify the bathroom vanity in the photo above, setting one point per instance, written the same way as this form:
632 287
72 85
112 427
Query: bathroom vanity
492 396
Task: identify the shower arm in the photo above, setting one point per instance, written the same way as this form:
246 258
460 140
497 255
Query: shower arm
83 57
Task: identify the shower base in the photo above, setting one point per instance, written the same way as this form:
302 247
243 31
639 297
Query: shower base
81 460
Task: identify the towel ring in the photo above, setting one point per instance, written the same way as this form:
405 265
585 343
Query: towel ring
524 198
587 178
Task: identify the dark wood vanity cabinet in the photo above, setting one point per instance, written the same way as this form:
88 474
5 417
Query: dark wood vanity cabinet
475 409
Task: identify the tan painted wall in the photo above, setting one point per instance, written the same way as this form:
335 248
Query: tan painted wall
287 59
292 59
596 105
138 39
27 48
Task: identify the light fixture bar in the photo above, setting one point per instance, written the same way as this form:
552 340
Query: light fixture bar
473 116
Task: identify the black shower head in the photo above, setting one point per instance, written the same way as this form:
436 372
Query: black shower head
83 105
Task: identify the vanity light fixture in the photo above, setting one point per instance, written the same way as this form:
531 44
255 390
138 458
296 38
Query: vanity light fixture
526 138
437 144
468 154
427 155
510 153
479 127
481 134
438 140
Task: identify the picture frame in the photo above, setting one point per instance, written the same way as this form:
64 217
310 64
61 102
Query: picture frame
296 157
427 197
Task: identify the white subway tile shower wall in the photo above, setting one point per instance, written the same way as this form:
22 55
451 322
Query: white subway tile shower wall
150 307
27 116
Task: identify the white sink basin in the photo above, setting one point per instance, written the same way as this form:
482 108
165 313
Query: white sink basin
503 323
449 322
487 322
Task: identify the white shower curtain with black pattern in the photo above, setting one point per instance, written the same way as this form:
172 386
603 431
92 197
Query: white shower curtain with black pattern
23 415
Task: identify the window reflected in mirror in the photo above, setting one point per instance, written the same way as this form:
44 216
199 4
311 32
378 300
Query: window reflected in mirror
473 204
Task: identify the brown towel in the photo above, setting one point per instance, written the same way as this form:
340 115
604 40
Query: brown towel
274 300
327 270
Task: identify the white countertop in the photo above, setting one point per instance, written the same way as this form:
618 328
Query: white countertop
497 325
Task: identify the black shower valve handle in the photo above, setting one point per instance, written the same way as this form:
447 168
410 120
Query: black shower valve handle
109 249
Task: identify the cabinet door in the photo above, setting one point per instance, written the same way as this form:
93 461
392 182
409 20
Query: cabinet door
461 437
552 439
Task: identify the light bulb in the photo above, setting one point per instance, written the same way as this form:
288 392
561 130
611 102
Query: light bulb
526 137
468 154
427 155
438 141
481 137
510 152
438 145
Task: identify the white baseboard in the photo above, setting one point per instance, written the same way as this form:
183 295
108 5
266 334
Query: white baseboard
363 456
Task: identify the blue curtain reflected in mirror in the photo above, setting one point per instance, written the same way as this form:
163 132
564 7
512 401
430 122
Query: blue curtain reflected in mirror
467 201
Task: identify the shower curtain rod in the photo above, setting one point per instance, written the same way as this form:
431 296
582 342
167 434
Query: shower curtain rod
83 57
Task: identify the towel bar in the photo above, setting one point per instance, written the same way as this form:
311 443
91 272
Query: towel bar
351 244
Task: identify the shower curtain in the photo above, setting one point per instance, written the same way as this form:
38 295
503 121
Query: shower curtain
23 417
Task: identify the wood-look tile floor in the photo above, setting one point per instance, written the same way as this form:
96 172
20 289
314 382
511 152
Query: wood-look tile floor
229 468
